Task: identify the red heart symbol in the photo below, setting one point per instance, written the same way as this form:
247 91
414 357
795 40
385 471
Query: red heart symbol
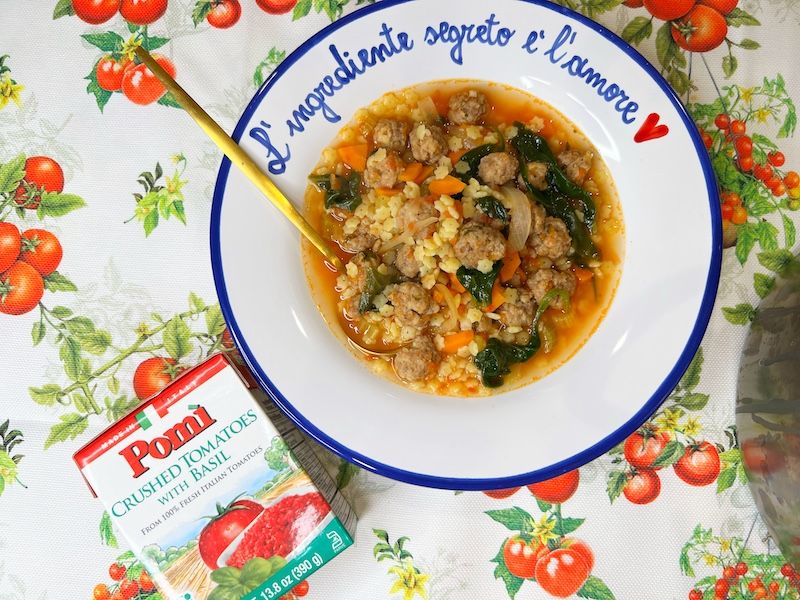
651 130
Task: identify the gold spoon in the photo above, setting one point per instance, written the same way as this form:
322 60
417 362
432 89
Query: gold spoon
241 159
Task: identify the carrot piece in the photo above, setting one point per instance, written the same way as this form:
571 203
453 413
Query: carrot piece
386 191
456 284
583 275
456 156
426 172
498 299
447 186
455 341
438 296
510 265
411 172
354 157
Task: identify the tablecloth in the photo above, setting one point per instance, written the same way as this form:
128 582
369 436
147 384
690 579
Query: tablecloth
132 219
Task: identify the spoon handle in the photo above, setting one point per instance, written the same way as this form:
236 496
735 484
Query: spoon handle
240 158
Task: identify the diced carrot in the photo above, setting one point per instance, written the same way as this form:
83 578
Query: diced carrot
456 156
459 208
510 265
426 172
386 191
438 296
456 284
583 275
447 186
455 341
498 299
354 157
411 172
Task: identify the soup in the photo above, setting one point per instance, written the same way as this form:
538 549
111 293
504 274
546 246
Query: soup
481 232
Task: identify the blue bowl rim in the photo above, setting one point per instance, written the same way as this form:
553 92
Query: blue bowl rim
476 484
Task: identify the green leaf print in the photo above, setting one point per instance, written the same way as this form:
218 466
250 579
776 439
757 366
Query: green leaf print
515 519
268 65
741 314
345 474
70 427
63 8
101 96
567 525
177 338
726 479
693 402
107 42
781 261
58 205
107 536
169 100
691 378
301 9
763 284
11 173
616 483
512 582
595 589
46 395
56 282
738 17
669 455
637 30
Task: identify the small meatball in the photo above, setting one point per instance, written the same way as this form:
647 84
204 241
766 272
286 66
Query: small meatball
383 169
412 304
553 241
360 240
518 314
406 262
414 211
479 242
363 262
467 107
498 168
418 361
390 134
427 143
538 218
547 279
576 165
537 175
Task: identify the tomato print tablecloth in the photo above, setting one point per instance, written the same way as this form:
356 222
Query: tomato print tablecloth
125 191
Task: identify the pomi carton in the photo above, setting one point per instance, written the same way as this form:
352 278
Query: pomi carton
205 484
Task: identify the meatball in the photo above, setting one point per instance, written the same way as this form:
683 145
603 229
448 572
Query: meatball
360 240
413 212
418 361
538 218
479 242
518 314
553 241
363 262
427 143
467 107
547 279
576 164
412 304
383 169
498 168
537 175
406 262
390 134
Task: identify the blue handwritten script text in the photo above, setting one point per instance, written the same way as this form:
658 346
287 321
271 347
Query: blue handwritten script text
348 69
578 66
277 164
486 33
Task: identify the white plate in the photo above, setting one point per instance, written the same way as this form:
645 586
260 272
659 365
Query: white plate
673 249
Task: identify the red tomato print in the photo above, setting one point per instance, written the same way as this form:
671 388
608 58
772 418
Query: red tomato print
95 11
301 589
152 376
667 10
109 73
43 173
21 288
276 7
762 456
145 582
723 6
116 571
700 465
521 557
101 592
556 490
702 30
224 528
581 548
634 3
142 12
10 245
141 86
643 487
562 572
41 250
644 447
502 494
225 14
128 589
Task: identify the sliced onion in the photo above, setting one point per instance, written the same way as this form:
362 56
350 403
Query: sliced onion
452 320
408 236
427 107
521 217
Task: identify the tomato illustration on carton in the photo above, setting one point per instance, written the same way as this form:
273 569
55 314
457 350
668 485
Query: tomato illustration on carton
211 497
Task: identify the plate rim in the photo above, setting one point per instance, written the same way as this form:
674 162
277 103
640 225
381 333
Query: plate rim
457 483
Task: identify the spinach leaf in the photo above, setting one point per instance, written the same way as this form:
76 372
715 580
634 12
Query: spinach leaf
562 198
493 207
342 192
496 359
374 283
479 284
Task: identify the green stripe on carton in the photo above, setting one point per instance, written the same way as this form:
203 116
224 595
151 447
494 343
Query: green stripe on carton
328 543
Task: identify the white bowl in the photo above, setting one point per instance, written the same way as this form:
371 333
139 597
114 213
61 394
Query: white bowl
610 387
